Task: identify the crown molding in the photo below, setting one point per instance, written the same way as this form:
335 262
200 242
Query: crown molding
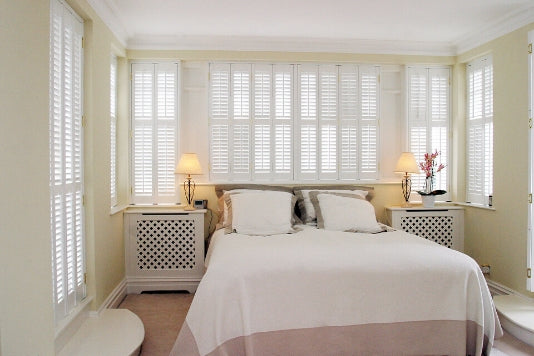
109 13
496 29
289 44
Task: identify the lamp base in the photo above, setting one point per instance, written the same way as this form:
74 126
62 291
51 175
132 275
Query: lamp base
406 205
189 208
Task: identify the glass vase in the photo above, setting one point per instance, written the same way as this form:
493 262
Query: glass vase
429 185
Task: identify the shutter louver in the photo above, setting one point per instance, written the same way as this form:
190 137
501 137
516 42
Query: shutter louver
155 123
480 130
66 159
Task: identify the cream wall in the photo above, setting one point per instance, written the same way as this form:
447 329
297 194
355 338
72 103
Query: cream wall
499 237
26 313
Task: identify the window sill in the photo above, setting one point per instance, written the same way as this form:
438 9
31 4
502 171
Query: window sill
478 206
68 326
117 209
160 208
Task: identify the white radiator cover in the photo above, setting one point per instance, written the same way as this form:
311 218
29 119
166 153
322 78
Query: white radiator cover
443 225
164 251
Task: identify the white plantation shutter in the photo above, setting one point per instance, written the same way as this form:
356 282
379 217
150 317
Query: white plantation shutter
251 122
220 121
439 122
283 122
349 121
155 132
113 129
429 120
66 158
307 126
328 121
262 120
479 130
240 87
369 102
266 125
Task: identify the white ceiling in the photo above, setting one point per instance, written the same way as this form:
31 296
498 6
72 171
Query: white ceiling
444 27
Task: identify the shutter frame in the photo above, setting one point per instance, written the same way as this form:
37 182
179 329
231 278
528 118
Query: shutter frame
479 170
155 108
66 159
428 129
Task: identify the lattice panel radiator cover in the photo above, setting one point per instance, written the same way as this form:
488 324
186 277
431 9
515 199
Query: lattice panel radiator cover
166 244
435 228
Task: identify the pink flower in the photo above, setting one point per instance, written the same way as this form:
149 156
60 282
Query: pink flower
429 166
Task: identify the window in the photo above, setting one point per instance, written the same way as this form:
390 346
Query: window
154 132
66 158
113 129
428 93
479 130
293 122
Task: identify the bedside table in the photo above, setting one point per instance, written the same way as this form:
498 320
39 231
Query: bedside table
442 224
164 249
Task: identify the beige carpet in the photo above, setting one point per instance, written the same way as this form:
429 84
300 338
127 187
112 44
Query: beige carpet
163 315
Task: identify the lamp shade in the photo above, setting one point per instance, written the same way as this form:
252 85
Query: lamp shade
407 164
189 164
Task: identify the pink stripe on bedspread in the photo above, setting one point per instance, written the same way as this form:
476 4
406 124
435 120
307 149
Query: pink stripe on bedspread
433 337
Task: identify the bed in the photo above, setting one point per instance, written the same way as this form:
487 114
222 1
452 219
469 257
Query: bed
324 288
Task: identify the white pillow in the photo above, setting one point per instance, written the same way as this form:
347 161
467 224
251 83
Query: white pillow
262 213
309 215
341 213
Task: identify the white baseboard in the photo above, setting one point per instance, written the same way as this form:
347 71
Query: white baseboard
500 289
115 297
137 285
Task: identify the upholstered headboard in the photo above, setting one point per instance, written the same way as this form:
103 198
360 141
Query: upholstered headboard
220 188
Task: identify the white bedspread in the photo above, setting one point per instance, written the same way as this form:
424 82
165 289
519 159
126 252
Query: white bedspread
317 279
